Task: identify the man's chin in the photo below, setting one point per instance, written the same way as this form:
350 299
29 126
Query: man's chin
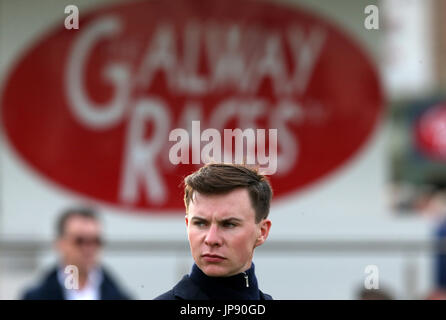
214 270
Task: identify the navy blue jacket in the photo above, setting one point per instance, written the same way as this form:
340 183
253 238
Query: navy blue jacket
195 286
50 289
440 257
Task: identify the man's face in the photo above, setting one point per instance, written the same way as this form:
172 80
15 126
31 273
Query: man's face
81 242
223 233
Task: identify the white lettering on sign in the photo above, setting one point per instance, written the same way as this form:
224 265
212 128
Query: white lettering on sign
88 112
287 111
306 51
239 59
234 63
139 162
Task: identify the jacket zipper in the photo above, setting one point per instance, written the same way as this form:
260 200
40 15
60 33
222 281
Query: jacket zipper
246 279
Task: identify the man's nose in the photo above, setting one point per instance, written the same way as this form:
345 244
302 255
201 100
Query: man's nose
213 237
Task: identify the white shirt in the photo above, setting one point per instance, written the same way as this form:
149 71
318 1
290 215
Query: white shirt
91 290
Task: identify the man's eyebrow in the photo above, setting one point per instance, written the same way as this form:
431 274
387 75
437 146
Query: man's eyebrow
198 218
232 219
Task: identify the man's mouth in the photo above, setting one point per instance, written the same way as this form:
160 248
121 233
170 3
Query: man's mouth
212 257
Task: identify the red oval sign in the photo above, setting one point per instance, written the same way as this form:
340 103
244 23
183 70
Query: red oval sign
91 109
430 132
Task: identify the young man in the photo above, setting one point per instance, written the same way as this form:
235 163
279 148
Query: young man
226 218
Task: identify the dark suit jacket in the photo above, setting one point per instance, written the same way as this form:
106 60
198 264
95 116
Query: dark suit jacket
50 289
186 289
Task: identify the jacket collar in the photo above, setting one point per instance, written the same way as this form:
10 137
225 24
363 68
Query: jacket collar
199 286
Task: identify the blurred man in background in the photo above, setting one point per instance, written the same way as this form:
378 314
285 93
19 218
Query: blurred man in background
226 218
78 276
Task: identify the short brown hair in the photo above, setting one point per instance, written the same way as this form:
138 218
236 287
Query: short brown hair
220 178
80 211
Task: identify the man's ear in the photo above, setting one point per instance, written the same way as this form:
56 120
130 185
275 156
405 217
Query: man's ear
186 220
264 227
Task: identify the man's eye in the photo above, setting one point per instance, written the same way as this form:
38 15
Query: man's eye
229 225
199 223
